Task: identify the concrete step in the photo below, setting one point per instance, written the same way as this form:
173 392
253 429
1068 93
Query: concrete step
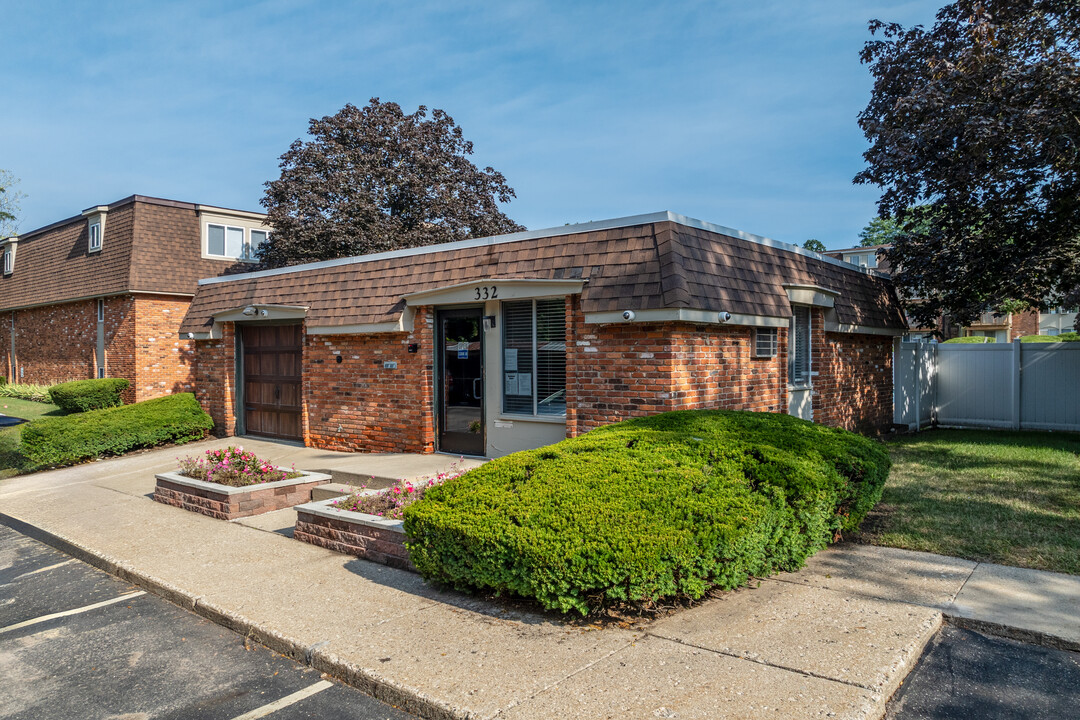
331 490
345 477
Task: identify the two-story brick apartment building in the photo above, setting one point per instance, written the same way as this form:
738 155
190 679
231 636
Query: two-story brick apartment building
103 293
497 344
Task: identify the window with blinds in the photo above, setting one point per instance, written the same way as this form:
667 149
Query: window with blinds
534 357
799 371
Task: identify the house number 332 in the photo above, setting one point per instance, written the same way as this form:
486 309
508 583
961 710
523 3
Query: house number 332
487 292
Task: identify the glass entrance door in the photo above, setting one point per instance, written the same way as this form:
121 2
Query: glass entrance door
461 381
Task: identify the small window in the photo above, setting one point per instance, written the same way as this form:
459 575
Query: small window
258 237
799 350
765 342
227 241
9 261
100 372
534 357
95 237
101 310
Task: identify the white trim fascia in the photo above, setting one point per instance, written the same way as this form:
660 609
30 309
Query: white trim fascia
263 312
629 221
519 289
404 323
201 335
96 210
698 317
861 329
214 210
811 295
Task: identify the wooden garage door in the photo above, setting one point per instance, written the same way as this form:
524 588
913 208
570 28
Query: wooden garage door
272 389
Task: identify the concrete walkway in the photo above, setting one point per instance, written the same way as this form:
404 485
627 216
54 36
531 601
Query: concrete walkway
833 640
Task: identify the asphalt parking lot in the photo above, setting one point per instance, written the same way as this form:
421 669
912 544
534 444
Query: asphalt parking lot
76 642
964 675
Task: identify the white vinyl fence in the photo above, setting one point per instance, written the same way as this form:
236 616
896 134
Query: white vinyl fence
1028 386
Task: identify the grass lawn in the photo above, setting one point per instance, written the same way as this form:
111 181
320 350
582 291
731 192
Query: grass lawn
11 460
1011 498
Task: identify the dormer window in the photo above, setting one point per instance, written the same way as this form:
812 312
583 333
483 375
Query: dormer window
9 260
233 241
95 237
95 227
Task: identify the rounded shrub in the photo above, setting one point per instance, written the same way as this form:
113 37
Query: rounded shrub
83 395
665 506
1069 337
1039 339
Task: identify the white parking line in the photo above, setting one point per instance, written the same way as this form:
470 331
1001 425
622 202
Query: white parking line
285 701
76 611
44 569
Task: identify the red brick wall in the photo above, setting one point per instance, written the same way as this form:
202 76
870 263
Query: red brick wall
164 361
853 388
715 367
629 370
56 343
357 404
1024 323
215 379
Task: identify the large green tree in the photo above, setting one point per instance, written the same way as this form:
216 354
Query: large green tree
974 127
375 178
9 204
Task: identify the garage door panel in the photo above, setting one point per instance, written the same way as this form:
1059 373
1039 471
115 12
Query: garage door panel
272 380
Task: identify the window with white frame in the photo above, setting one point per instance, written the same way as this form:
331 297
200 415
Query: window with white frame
534 357
233 242
766 341
799 352
95 237
9 261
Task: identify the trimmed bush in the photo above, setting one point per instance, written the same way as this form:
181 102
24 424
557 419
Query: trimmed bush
1069 337
664 506
25 391
971 340
82 395
1039 339
72 438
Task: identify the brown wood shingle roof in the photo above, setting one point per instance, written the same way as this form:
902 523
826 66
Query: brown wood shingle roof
647 266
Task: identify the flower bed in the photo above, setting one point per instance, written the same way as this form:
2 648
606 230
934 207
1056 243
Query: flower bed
368 522
232 483
375 538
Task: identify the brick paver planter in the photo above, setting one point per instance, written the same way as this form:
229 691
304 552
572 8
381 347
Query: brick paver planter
368 536
229 503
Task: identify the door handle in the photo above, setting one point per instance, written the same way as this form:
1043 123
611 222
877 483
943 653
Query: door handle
476 388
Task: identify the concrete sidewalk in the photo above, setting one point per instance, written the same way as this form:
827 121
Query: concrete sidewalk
834 640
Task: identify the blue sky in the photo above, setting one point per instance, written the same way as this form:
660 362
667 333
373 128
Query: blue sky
737 113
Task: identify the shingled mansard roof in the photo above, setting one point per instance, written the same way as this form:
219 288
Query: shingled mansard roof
150 245
663 266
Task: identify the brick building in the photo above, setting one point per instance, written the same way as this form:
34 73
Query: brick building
497 344
102 294
997 326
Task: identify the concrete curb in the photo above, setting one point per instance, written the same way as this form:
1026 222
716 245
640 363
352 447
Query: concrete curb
314 656
1031 637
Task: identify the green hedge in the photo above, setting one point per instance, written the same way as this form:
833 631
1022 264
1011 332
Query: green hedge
971 340
113 431
664 506
1069 337
1039 339
82 395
